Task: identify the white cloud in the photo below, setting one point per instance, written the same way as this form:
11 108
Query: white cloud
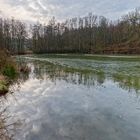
41 4
18 12
33 10
32 5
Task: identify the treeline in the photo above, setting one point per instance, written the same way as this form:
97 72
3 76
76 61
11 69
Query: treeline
89 34
13 34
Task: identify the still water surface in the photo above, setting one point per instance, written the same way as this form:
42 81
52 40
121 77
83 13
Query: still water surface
76 99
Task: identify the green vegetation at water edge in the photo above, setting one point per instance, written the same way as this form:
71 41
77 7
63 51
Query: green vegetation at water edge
8 71
94 57
3 87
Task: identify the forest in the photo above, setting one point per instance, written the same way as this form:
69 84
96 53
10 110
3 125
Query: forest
91 34
71 79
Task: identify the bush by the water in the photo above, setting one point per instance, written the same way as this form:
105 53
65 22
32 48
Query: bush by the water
8 71
3 87
8 67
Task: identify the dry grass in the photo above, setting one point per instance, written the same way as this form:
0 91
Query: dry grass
8 70
5 60
2 78
7 64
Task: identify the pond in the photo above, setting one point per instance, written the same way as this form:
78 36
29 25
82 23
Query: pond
76 98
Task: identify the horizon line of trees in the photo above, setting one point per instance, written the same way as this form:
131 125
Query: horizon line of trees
77 35
13 34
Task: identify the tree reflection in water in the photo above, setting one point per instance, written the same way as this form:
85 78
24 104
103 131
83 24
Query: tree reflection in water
44 70
6 129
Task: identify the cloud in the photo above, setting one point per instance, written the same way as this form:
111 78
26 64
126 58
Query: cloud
43 10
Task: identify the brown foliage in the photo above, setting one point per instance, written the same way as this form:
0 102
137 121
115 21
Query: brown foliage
5 59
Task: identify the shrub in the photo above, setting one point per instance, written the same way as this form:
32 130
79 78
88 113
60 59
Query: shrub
7 65
3 87
9 71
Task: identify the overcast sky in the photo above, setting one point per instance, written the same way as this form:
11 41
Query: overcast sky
33 10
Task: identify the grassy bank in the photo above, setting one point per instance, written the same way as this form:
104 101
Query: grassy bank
8 71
